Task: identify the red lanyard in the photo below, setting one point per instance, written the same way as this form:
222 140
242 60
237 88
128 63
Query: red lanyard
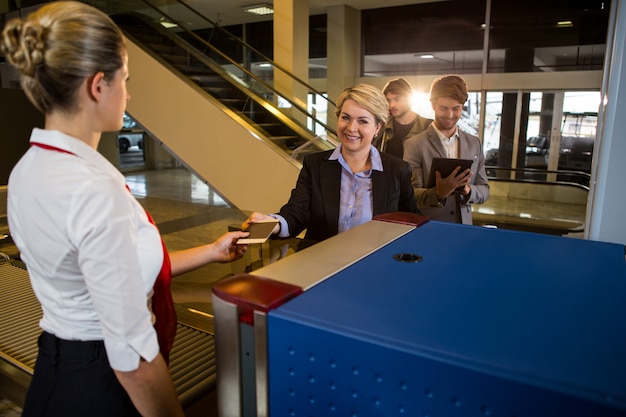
50 147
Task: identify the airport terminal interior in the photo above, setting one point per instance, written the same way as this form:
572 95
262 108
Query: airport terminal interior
188 213
535 77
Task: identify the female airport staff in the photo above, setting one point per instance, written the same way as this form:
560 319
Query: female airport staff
91 251
345 187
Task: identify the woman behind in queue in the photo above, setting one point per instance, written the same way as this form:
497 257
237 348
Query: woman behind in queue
92 253
345 187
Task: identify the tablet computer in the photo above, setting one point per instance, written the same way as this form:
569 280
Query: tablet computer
260 231
445 166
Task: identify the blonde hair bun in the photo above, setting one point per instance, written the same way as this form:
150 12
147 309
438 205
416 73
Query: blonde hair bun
24 46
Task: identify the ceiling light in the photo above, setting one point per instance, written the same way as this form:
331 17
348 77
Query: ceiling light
167 24
565 24
259 9
427 56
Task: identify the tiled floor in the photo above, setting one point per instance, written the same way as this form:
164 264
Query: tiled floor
188 213
8 409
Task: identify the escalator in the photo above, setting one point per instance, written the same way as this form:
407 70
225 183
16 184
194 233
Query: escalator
252 104
265 133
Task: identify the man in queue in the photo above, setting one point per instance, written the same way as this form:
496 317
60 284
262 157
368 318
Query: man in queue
403 122
450 198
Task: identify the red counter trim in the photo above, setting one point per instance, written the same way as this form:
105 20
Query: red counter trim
402 217
251 293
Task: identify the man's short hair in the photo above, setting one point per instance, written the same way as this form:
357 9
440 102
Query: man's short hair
449 86
398 86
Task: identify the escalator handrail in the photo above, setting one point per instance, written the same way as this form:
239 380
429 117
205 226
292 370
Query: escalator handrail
236 64
257 52
210 63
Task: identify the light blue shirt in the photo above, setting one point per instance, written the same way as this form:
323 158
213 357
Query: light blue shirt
356 200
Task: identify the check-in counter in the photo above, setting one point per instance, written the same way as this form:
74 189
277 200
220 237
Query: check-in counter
440 319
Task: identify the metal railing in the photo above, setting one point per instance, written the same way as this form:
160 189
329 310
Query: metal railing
578 179
199 40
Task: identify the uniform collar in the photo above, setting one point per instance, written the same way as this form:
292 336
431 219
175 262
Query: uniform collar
76 147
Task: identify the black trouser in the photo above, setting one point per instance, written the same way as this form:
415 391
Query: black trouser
74 378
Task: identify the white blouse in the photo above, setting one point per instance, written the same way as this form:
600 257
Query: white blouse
91 253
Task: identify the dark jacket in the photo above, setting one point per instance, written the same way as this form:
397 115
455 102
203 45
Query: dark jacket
314 202
386 133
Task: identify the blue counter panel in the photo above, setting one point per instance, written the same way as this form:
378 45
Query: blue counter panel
488 320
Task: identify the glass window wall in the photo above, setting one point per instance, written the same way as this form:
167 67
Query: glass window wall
426 38
541 135
541 36
449 37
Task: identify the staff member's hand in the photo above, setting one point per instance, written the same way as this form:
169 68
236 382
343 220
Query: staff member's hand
223 249
226 248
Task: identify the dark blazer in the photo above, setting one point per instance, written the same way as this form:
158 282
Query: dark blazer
314 202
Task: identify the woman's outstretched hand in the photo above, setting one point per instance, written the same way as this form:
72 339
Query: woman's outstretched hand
226 247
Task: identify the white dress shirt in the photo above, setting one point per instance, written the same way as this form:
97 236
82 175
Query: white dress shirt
91 253
451 144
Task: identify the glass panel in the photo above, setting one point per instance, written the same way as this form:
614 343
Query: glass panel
507 127
538 129
445 37
578 133
319 109
539 153
470 121
518 138
491 129
243 80
539 35
131 143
